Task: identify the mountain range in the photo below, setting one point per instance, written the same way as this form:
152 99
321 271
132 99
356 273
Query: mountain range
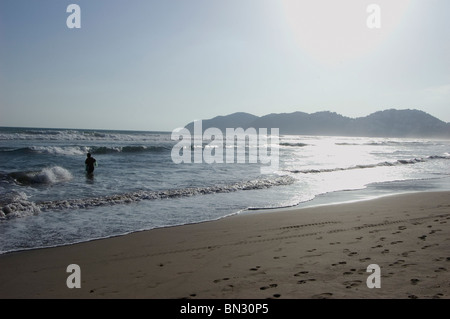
387 123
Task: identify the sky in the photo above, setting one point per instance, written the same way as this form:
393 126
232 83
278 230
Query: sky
157 65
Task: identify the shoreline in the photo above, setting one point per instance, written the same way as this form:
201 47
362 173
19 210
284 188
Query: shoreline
369 192
315 252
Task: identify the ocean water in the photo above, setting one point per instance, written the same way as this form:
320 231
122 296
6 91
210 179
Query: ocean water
47 200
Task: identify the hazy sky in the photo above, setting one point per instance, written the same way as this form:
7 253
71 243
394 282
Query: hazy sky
157 65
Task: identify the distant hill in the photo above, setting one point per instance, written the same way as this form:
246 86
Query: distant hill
234 120
387 123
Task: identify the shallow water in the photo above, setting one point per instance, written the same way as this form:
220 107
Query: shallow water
47 200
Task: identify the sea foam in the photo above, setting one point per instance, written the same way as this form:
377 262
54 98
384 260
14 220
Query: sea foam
16 204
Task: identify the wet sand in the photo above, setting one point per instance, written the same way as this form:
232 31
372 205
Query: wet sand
319 252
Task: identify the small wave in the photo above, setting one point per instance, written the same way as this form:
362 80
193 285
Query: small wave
383 143
347 144
58 150
127 149
80 135
445 156
49 175
81 150
393 143
8 149
293 144
363 166
52 150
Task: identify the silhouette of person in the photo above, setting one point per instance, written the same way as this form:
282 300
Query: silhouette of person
90 162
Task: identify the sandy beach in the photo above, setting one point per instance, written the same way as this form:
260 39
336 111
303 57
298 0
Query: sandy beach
318 252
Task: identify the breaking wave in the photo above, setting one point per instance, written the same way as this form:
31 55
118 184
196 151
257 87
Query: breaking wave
362 166
16 204
19 205
81 150
48 175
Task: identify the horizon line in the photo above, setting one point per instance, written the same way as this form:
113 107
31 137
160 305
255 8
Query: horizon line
164 131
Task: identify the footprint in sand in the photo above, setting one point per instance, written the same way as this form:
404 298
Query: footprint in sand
301 273
428 246
324 295
267 287
339 263
305 281
400 261
440 269
219 280
351 284
406 253
362 271
414 281
407 265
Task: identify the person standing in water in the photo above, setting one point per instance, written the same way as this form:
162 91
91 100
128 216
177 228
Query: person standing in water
90 163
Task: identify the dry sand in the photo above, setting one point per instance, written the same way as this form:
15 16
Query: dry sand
320 252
